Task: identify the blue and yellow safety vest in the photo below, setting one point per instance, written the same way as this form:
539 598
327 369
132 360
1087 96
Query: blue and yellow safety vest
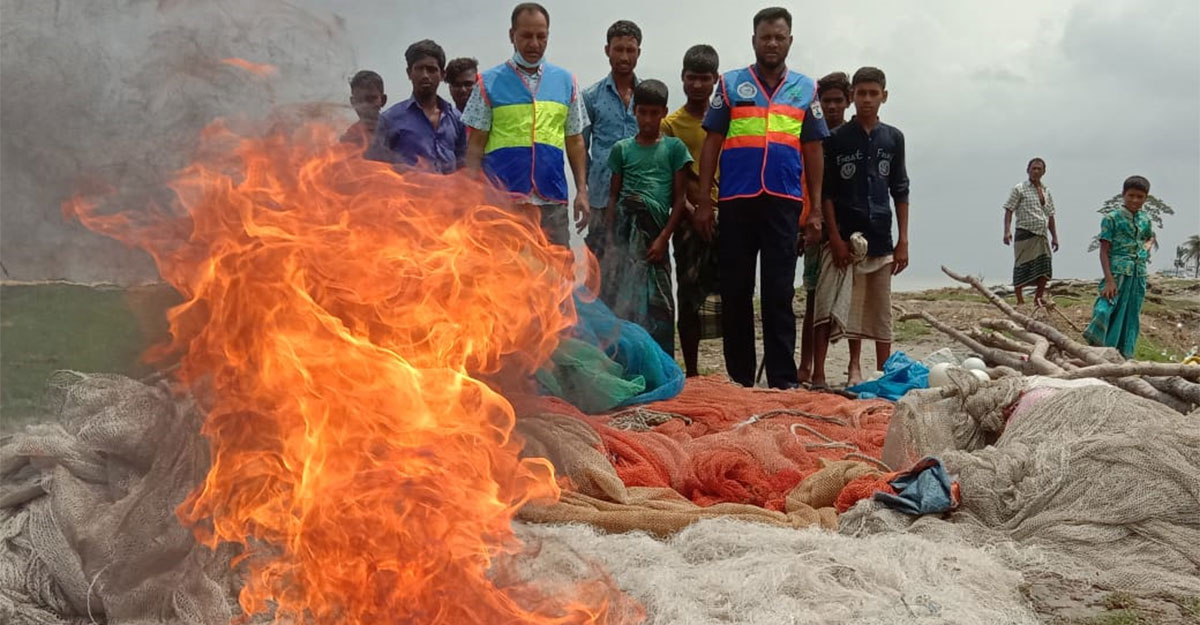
761 152
524 150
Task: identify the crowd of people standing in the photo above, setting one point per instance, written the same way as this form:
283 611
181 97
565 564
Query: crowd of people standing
766 147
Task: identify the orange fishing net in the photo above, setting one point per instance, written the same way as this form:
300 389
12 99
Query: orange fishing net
717 442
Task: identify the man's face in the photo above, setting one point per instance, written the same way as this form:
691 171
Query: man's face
834 104
367 101
425 75
868 96
623 53
772 40
1134 198
1037 169
698 85
649 118
461 86
530 35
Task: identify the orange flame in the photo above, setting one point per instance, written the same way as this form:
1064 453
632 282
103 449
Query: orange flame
338 319
263 70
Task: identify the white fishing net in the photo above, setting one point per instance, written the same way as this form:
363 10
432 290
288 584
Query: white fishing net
1086 488
738 572
1105 481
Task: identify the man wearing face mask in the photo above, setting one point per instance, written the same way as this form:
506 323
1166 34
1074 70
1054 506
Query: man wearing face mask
424 131
765 125
525 114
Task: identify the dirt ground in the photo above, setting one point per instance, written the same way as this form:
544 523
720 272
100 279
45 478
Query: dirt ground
1170 323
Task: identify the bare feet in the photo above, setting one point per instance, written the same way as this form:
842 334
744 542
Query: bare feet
854 376
803 375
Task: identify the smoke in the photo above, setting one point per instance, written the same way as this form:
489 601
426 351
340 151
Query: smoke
118 90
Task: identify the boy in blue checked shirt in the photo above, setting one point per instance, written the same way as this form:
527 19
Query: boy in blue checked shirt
645 204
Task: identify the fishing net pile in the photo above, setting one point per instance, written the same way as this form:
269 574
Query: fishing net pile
1065 488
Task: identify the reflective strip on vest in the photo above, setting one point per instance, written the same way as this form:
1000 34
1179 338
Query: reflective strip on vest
513 125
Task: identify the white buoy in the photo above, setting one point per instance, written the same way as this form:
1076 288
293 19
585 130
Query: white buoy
981 375
974 364
938 376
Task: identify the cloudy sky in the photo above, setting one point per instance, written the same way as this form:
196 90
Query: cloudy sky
1100 88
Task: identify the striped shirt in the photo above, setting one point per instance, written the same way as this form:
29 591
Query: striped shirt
1031 214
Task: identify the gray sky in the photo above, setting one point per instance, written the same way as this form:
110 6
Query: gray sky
1100 88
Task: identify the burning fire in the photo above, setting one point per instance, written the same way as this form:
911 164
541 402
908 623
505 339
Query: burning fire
339 319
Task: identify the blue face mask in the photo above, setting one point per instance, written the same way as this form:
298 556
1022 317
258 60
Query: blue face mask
520 60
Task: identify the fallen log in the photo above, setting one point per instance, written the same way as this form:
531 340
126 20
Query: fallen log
1124 369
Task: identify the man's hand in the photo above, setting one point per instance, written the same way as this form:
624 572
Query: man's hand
812 230
658 250
1110 289
705 220
1007 237
841 252
900 257
1054 243
581 210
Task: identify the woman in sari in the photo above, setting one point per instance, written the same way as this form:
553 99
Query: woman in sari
1126 236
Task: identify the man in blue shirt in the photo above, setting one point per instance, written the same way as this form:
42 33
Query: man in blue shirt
609 105
424 131
765 125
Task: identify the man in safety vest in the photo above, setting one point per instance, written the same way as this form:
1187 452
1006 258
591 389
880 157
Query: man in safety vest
524 114
766 126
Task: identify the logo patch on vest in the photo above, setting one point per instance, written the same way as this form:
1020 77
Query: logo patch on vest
717 101
817 113
747 90
848 170
885 167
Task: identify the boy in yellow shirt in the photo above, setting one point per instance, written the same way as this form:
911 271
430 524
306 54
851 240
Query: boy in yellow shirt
695 258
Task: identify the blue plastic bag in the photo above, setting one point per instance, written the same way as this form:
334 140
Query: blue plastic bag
901 374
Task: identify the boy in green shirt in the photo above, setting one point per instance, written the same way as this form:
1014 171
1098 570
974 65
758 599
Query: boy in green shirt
645 204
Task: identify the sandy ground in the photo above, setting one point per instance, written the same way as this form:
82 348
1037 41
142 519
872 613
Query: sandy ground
1170 323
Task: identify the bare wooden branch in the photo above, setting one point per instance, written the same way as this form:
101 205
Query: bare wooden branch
990 354
1000 341
1052 333
1111 370
1087 354
1179 387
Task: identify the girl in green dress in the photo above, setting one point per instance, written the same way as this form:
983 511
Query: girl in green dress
1126 236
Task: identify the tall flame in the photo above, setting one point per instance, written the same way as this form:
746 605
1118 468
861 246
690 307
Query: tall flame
339 318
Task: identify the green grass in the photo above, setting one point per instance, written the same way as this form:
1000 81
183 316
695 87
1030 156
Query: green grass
1191 607
1118 617
47 327
1149 349
904 331
950 295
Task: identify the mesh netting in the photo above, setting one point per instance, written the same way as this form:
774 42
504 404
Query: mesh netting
1106 481
736 572
86 510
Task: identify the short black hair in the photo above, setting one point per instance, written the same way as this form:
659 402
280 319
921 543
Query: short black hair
701 59
1036 159
770 14
869 74
624 28
422 49
834 80
1133 182
650 93
460 65
365 79
525 7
